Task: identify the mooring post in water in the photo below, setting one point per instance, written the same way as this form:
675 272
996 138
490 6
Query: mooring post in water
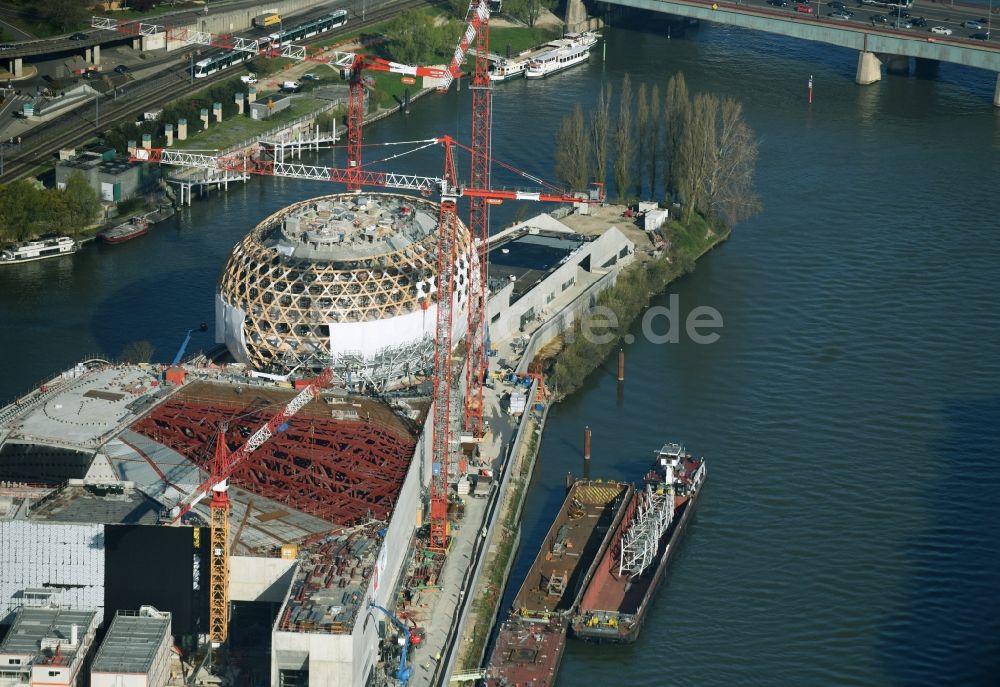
586 452
621 364
569 481
406 101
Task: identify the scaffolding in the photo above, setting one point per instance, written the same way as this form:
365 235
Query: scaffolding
642 538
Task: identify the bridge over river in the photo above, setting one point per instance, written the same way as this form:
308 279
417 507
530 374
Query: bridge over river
876 34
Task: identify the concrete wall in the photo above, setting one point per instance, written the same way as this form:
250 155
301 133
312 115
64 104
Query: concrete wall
240 20
254 578
505 317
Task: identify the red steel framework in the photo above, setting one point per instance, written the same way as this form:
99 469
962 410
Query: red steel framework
338 470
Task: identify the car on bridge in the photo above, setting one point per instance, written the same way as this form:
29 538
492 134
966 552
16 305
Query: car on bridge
778 3
980 36
840 14
941 30
974 24
918 21
837 5
879 19
79 37
804 9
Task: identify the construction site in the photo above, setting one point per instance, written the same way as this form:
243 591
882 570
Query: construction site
308 502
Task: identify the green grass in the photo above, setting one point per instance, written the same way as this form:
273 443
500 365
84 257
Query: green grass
519 39
240 128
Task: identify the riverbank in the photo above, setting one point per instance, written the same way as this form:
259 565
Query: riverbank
661 258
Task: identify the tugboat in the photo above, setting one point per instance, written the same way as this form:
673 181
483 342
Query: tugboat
618 596
125 232
29 251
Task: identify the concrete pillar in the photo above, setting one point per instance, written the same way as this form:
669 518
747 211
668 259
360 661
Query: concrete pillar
869 69
217 111
97 54
182 129
996 93
147 141
576 15
168 131
898 64
88 55
238 99
17 67
131 147
252 94
137 43
204 118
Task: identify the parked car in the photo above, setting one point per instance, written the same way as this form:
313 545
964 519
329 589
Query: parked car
974 24
804 9
79 37
122 68
249 78
941 30
980 36
310 77
840 14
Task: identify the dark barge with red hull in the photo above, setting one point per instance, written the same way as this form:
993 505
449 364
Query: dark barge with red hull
530 644
615 602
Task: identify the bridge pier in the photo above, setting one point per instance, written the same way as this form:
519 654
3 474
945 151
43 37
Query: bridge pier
16 67
996 93
92 55
869 69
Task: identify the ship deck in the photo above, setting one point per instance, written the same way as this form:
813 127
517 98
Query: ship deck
570 548
526 654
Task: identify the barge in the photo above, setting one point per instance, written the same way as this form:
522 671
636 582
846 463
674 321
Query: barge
530 644
125 232
619 594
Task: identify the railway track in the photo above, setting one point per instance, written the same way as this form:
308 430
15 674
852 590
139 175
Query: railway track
40 145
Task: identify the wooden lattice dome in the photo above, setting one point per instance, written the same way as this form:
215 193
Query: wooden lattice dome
325 265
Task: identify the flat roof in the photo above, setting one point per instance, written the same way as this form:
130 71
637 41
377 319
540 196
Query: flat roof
131 644
529 258
32 625
90 503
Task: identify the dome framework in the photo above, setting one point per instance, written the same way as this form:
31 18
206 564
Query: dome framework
342 281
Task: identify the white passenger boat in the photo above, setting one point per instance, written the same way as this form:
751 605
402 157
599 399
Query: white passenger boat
505 69
39 250
572 49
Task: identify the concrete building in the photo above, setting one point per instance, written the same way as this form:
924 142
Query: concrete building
135 652
112 177
47 647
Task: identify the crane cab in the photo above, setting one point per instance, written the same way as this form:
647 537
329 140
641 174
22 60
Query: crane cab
494 6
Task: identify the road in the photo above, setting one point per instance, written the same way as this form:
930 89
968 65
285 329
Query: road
880 18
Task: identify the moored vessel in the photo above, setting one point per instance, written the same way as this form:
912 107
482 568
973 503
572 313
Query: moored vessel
618 596
125 232
507 69
530 644
571 50
28 251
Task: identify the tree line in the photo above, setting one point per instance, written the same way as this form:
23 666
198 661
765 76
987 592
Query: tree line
28 210
697 149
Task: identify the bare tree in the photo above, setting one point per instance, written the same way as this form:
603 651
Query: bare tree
571 151
600 122
729 188
717 160
676 113
624 140
642 151
138 352
691 165
653 139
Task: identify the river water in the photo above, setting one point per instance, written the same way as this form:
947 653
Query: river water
849 413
